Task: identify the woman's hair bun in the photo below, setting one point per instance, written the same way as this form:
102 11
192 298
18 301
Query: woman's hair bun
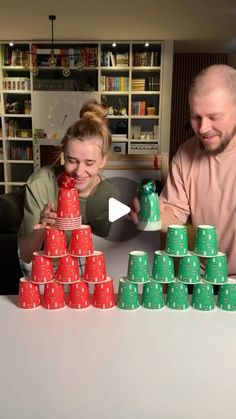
99 110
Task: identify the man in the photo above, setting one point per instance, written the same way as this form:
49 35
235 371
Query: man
202 178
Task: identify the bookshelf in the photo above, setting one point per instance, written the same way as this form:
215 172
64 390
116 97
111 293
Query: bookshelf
38 101
16 130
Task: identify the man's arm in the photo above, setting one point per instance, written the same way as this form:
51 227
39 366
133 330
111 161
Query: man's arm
167 218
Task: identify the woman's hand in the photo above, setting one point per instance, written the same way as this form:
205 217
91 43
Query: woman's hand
47 217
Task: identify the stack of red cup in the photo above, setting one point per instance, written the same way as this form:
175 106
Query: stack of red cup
68 209
53 296
79 295
42 269
29 295
103 296
81 243
95 268
67 269
54 242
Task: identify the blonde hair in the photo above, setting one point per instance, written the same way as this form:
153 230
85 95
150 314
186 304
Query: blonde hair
217 76
92 123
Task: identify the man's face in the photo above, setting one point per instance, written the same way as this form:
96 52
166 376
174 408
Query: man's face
213 119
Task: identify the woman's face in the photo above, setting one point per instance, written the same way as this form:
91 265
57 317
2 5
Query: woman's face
83 160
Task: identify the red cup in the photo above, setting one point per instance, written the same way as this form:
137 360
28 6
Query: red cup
53 296
42 268
67 269
81 243
78 296
103 296
95 267
29 295
68 203
54 242
68 223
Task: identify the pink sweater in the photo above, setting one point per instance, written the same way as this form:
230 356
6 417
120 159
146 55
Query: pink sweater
205 188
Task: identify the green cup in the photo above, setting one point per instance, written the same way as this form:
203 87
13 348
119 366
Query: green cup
206 241
189 269
152 296
163 267
176 240
203 296
128 297
177 296
227 296
216 269
138 267
149 215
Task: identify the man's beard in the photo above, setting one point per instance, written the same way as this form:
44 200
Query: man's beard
223 145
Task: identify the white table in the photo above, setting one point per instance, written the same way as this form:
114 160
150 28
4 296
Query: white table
113 364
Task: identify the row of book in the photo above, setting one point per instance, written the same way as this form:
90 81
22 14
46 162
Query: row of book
109 58
138 85
15 57
139 59
114 84
146 59
138 108
21 153
16 83
71 57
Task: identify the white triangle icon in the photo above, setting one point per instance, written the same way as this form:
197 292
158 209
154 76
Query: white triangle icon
116 209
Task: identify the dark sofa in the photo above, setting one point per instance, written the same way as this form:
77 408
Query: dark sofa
11 213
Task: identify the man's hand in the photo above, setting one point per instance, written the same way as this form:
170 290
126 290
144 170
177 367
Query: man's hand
47 217
135 208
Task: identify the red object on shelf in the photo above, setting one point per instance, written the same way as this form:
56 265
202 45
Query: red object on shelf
155 163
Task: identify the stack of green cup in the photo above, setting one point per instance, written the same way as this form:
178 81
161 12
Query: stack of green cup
189 269
206 241
203 297
216 269
227 296
177 296
152 296
176 240
138 267
128 298
163 267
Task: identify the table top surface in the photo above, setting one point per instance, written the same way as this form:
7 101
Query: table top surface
116 364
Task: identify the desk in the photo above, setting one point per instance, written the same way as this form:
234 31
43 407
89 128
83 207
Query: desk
116 364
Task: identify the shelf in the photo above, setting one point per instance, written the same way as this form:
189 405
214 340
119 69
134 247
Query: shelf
129 66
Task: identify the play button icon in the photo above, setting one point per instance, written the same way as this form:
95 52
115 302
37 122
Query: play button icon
116 209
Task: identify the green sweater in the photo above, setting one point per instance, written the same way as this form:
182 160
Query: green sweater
42 188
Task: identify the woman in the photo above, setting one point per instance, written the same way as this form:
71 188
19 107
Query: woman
85 147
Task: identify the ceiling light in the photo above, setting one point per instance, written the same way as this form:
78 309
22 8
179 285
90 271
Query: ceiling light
52 59
11 44
114 44
146 44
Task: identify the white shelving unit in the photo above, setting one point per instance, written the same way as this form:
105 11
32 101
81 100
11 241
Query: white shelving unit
133 79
